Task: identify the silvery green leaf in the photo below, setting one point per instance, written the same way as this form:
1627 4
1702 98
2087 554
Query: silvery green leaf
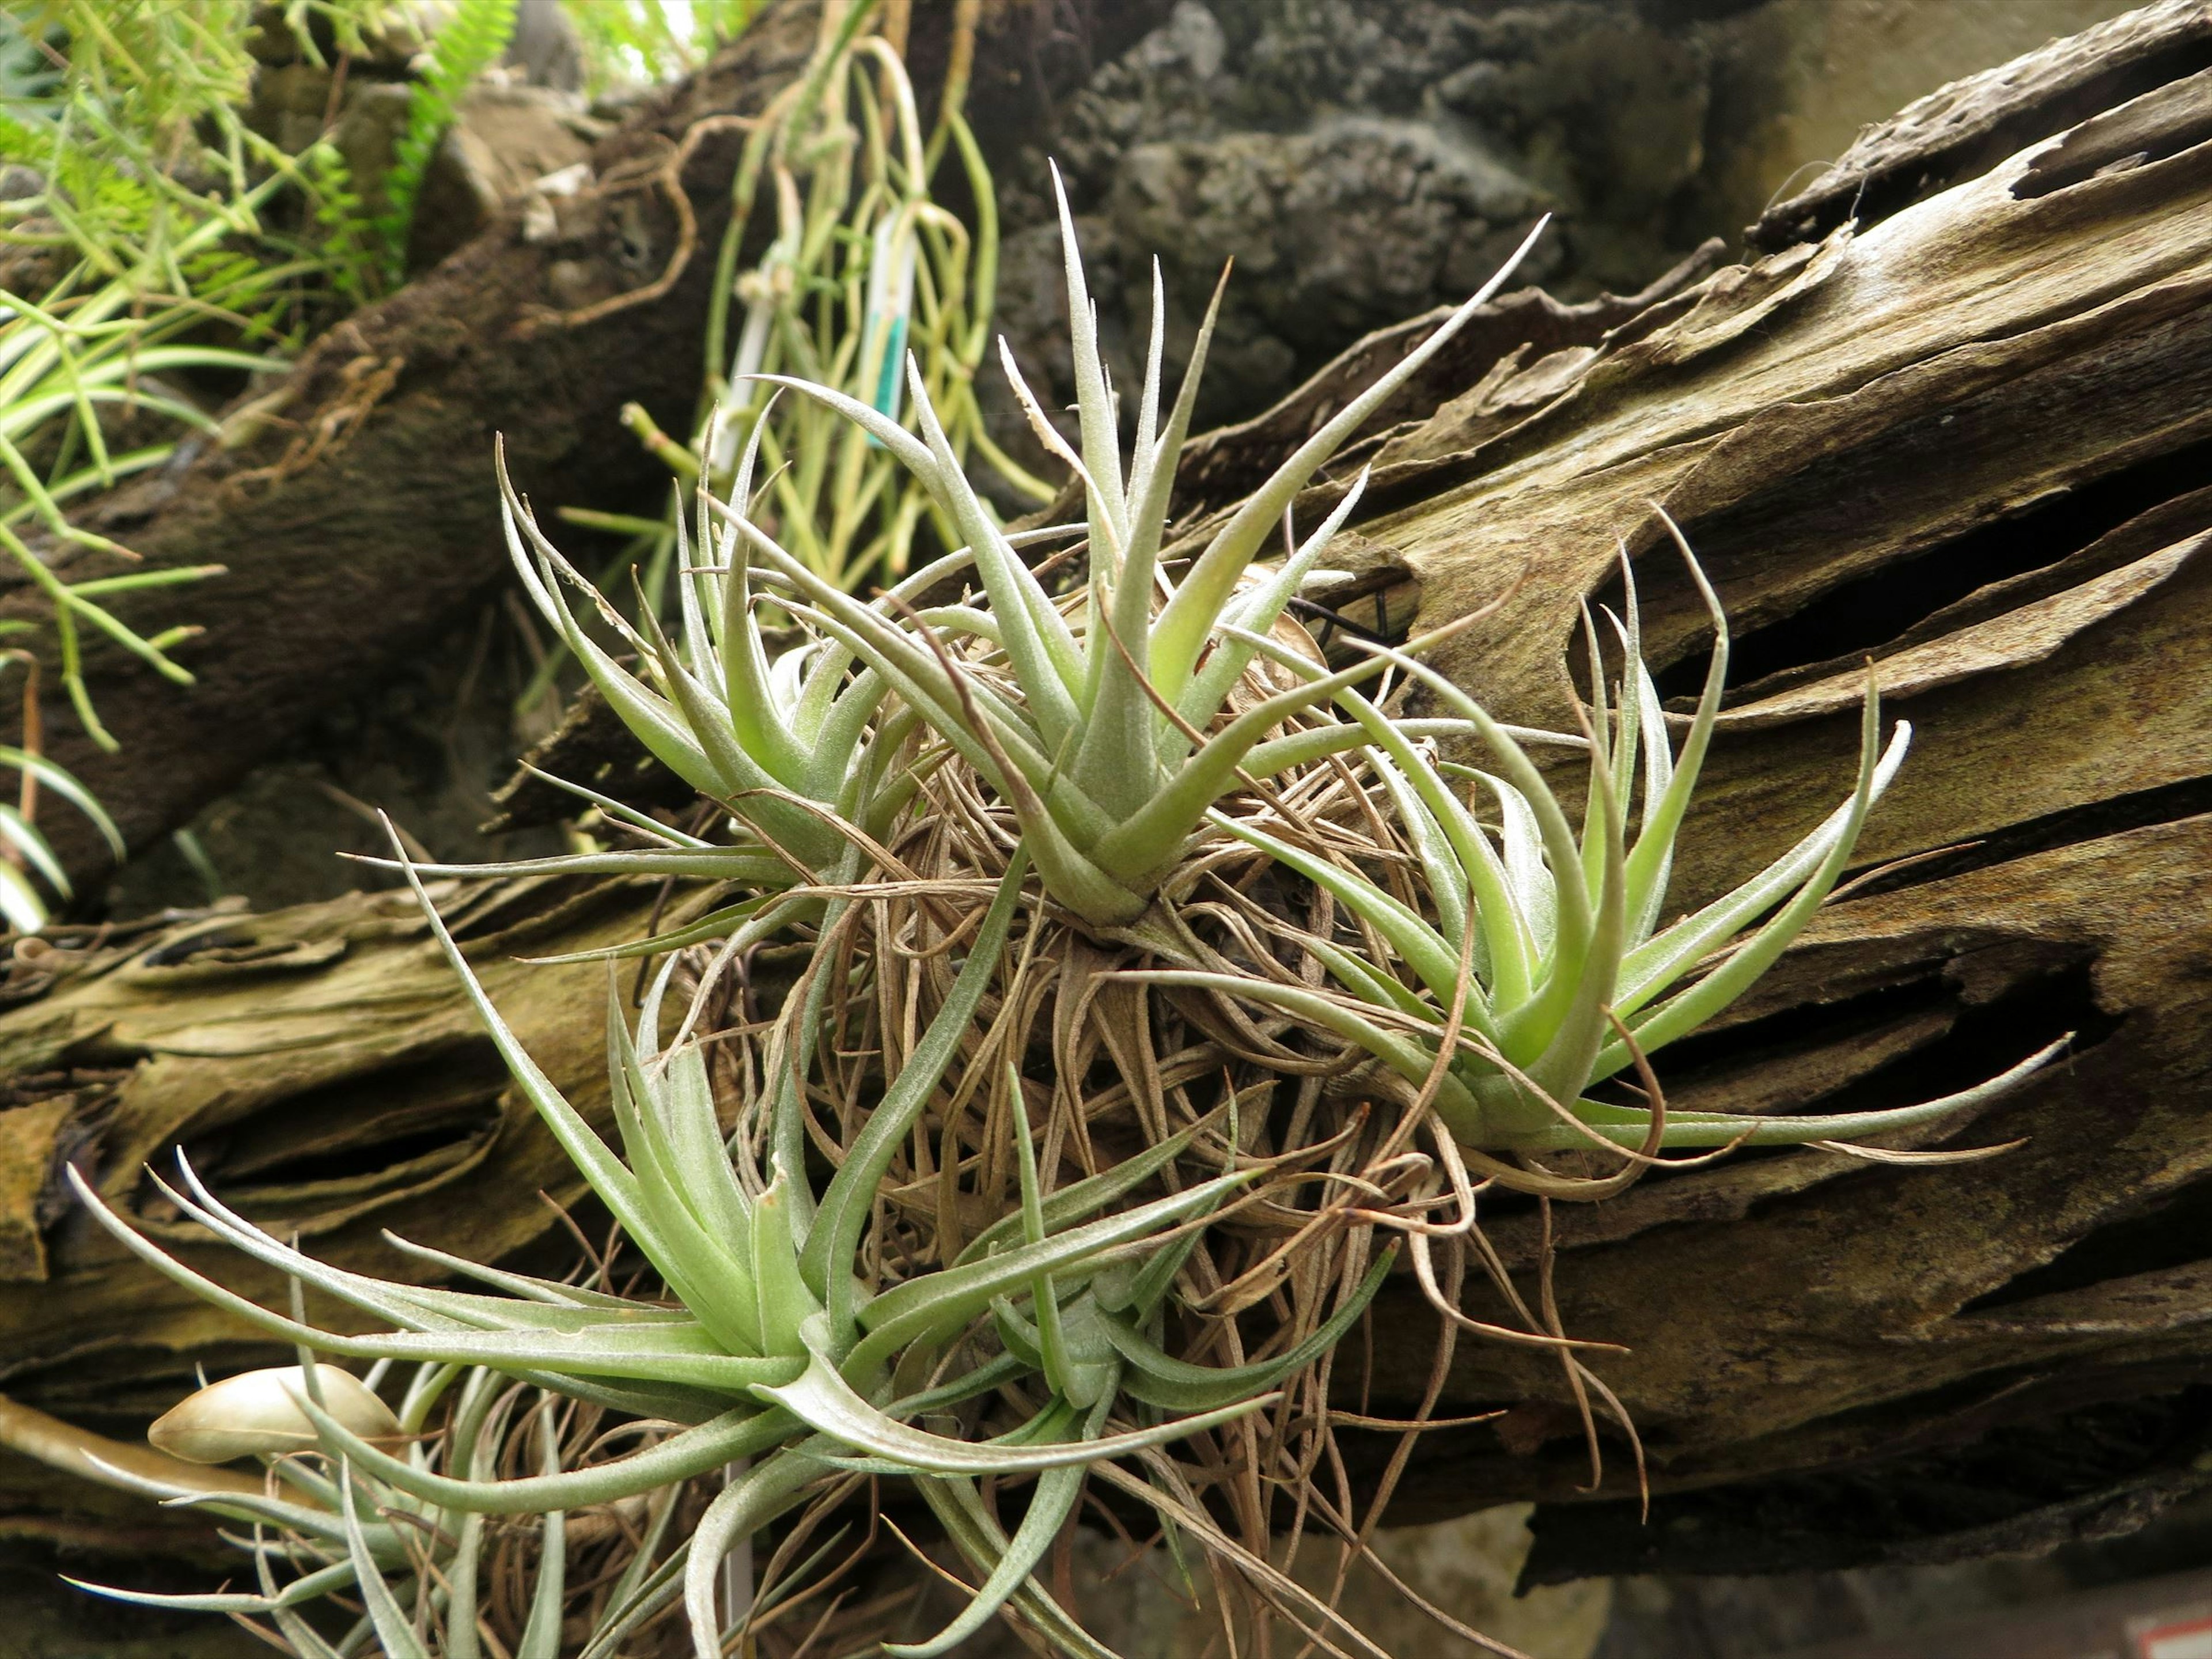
1159 1379
394 1630
1052 1501
824 1400
743 1432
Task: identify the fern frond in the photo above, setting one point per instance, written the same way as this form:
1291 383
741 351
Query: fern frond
470 43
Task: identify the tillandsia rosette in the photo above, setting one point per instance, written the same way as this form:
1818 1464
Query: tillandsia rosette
1138 958
768 1349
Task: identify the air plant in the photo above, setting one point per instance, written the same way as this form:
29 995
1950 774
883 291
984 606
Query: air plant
772 1352
1153 749
799 748
1099 733
1096 730
1546 971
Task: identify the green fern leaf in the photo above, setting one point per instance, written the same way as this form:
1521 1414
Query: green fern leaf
470 44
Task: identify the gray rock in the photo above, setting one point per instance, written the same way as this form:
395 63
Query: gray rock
1366 161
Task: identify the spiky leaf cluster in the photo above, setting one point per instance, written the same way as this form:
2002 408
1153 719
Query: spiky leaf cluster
1096 739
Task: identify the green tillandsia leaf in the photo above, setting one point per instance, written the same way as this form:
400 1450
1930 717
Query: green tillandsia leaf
1096 410
683 1356
992 1374
651 718
553 1292
786 1303
994 735
1092 1369
1692 1008
1510 941
1051 1343
834 1240
413 1307
701 1275
646 1585
306 1587
786 1071
1561 1069
1053 1501
690 1211
675 1090
940 1303
928 685
910 668
383 1539
1123 738
1051 684
395 1631
612 1352
662 1585
1652 967
1651 858
1157 1378
1038 643
683 1170
621 813
1152 837
824 1400
747 689
1137 1289
471 1447
1257 611
307 1642
541 1632
815 843
1572 921
966 1520
1443 874
738 1512
1180 635
1627 1126
1048 1426
1086 1197
743 1431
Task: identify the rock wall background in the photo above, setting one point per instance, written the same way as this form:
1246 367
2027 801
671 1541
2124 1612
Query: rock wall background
1363 160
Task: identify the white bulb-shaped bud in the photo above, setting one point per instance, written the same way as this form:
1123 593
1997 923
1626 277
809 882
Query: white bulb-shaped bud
256 1414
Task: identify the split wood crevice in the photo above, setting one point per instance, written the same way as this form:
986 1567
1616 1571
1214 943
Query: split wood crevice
1968 435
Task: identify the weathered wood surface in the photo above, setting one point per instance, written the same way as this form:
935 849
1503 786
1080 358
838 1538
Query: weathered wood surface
1971 439
1972 442
320 1070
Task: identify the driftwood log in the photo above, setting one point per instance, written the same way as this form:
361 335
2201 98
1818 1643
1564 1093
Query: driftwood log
1966 435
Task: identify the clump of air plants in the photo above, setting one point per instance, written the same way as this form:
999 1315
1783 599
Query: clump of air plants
1142 958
